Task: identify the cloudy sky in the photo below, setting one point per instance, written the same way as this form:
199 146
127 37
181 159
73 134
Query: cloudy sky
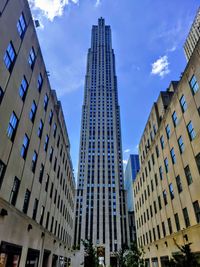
148 39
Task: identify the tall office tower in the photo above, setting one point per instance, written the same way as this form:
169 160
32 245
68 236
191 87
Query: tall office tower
193 36
101 214
132 168
37 188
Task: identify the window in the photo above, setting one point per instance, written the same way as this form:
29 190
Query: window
171 190
194 85
162 141
165 197
51 154
46 142
178 183
161 172
181 144
41 215
170 225
41 173
21 25
9 57
167 129
191 131
183 103
174 118
40 129
173 156
46 100
26 201
177 222
14 191
35 207
50 117
54 129
31 58
159 203
2 171
197 158
23 88
197 210
186 217
47 183
166 165
163 228
1 94
157 151
34 162
188 174
24 148
12 126
39 82
33 111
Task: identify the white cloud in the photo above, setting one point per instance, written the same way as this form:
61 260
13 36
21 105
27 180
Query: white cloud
125 161
160 66
50 8
172 49
127 150
98 2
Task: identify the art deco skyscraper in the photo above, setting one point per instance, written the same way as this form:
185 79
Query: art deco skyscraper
101 214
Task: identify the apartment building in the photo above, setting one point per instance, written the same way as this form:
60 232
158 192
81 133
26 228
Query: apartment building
167 187
37 186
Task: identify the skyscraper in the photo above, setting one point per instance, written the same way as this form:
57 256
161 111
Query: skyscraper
101 214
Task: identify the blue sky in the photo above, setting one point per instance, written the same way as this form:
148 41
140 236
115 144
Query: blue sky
148 38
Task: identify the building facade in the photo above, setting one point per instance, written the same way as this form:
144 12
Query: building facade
167 194
193 36
37 187
101 213
132 168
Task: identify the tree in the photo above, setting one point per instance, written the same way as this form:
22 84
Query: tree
120 255
185 258
91 258
134 256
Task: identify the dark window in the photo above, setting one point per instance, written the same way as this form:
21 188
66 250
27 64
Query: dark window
155 208
197 210
191 131
21 25
41 173
197 158
54 129
47 183
55 197
46 142
170 225
158 230
156 179
34 162
194 84
14 191
55 164
46 100
165 197
186 217
33 111
31 58
167 129
9 57
188 174
161 172
163 228
50 117
171 190
166 165
12 126
39 82
183 103
40 129
181 144
159 203
157 151
23 88
47 221
41 215
26 201
177 222
2 171
179 185
173 156
51 154
162 142
24 148
35 207
174 118
1 94
51 191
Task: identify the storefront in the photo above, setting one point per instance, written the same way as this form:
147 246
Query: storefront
9 254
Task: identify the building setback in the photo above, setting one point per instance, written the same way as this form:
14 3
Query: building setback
101 214
132 168
36 179
167 187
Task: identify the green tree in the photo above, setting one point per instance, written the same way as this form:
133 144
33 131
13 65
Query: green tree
120 255
91 259
134 256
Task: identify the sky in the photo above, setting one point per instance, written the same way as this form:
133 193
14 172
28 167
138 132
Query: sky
148 38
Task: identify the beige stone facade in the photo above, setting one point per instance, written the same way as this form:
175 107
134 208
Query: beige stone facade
36 176
167 188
